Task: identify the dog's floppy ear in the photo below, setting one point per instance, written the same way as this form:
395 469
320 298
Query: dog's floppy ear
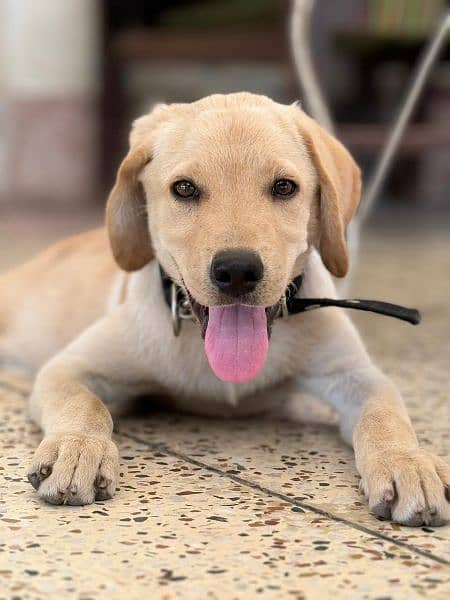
126 209
340 192
126 213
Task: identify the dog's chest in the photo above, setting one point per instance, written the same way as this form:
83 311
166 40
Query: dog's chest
179 364
182 369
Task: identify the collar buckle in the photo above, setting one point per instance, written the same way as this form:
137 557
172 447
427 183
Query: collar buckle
284 311
180 308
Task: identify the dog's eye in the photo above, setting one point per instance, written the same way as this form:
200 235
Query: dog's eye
184 190
284 188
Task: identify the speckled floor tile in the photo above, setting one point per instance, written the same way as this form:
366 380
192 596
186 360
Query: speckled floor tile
178 530
308 463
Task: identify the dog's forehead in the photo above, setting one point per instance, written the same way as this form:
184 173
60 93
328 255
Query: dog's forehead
241 137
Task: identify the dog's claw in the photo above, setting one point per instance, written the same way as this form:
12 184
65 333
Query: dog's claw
102 482
389 496
101 488
37 477
34 479
382 510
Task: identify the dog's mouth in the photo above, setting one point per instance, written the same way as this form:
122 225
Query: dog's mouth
236 338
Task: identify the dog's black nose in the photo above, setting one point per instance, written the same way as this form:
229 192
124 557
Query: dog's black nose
236 272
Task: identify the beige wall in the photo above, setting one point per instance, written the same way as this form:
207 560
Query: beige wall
49 84
51 47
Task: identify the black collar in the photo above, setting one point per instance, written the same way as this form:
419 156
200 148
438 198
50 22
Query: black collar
289 304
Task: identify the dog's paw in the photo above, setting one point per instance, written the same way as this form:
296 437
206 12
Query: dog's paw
75 469
411 487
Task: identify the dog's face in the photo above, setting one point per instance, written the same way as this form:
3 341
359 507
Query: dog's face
237 189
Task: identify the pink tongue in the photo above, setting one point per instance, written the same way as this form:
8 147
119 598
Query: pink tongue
236 341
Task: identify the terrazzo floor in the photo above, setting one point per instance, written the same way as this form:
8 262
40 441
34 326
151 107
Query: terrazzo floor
246 508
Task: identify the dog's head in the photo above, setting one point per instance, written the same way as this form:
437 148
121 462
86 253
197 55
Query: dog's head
230 193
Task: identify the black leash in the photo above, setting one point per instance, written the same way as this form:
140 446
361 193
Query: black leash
410 315
290 305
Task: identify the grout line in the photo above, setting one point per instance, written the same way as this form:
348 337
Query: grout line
267 491
264 490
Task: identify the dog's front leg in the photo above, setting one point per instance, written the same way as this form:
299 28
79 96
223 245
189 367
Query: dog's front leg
401 480
77 462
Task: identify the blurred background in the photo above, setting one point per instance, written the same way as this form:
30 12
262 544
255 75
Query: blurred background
75 73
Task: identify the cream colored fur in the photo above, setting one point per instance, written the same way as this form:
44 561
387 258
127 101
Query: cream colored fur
100 336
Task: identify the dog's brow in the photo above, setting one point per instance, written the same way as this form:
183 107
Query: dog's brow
182 171
285 168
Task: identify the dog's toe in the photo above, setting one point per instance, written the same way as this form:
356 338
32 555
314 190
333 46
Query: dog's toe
382 510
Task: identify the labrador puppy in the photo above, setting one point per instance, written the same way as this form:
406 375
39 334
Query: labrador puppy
232 197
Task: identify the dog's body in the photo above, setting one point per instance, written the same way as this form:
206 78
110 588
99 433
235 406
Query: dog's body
51 318
227 151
